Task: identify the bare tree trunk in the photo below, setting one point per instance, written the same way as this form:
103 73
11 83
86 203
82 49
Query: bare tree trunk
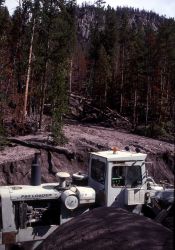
20 4
167 96
43 94
122 81
135 106
70 76
17 96
44 85
162 88
147 102
105 93
28 72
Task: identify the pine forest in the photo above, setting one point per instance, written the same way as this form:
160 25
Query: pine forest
122 60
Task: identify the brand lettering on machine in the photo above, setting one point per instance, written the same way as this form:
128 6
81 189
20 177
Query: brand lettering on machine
28 196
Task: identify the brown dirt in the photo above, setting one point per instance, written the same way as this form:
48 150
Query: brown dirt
15 161
104 228
109 228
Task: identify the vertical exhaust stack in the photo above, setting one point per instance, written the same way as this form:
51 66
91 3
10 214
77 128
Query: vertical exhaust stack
36 171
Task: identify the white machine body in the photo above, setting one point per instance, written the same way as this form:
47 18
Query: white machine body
31 213
119 177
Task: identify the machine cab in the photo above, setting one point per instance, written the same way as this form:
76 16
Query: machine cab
118 177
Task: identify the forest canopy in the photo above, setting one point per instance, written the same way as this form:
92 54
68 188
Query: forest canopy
123 59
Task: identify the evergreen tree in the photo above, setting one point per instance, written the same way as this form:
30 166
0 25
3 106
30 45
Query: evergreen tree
124 41
136 71
165 62
102 77
111 44
62 38
127 61
4 65
53 52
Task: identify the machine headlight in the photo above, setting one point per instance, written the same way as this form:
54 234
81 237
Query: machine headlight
147 195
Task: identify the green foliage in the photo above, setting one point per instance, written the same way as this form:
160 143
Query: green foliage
170 127
54 47
160 131
1 130
62 39
110 37
3 140
99 3
128 61
137 67
2 2
59 103
102 77
53 43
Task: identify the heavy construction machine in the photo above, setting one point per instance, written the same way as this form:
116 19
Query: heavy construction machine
30 213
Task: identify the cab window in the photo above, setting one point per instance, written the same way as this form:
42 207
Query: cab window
118 176
98 171
134 176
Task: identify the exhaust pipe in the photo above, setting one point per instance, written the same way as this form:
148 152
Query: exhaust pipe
36 170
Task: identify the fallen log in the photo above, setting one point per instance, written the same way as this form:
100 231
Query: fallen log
82 109
38 145
112 112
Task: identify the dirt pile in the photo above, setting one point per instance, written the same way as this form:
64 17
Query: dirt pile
161 158
109 228
15 161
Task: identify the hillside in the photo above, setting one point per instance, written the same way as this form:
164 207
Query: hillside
121 59
103 227
75 80
15 161
124 60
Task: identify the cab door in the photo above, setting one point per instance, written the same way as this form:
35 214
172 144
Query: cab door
116 184
97 178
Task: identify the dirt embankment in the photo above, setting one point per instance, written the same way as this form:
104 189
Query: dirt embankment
15 161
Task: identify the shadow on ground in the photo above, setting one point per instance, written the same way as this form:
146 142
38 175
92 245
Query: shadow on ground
110 228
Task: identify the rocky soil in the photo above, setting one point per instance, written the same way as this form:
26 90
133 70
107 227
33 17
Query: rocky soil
15 160
102 228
